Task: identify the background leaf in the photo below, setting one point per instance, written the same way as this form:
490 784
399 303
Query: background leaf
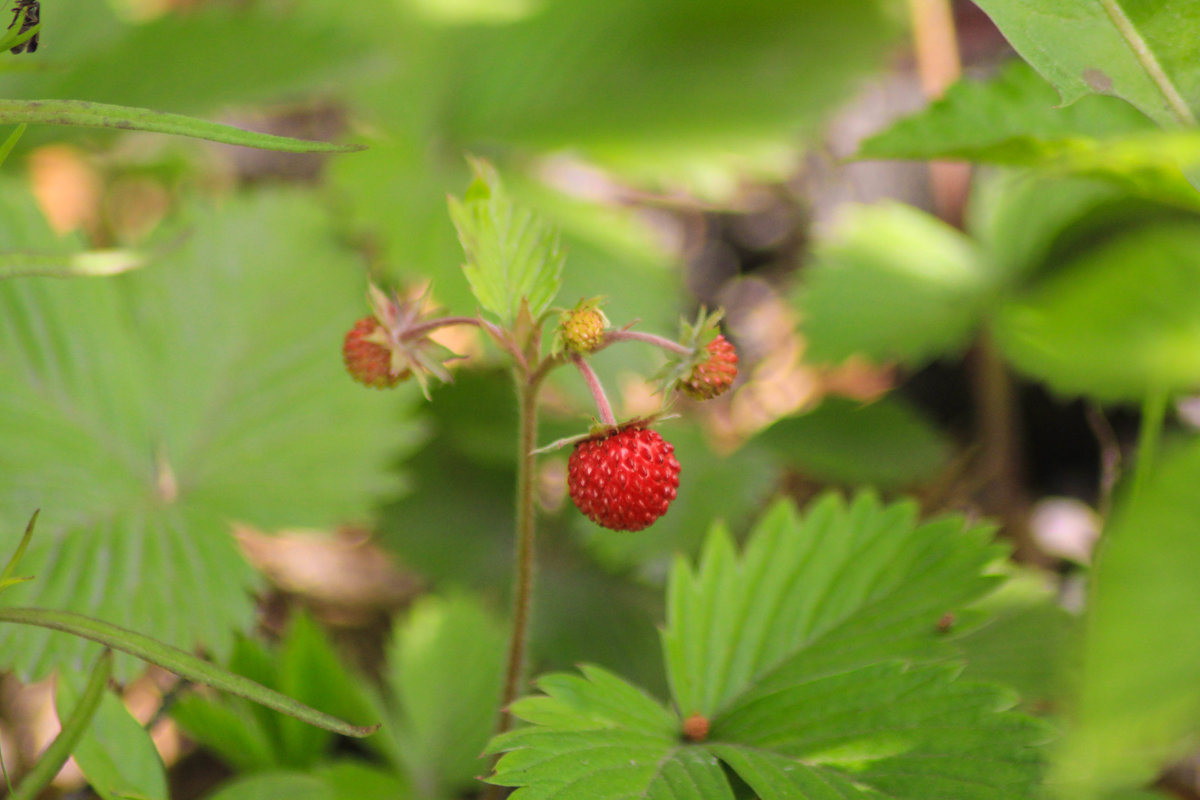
1013 118
1137 699
1133 50
250 737
147 411
893 284
116 753
1141 285
886 443
441 726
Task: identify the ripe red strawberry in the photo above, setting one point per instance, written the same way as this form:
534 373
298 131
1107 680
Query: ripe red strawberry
714 375
625 480
368 359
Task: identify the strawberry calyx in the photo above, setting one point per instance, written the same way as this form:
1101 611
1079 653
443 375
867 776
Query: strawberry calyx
399 342
599 430
706 366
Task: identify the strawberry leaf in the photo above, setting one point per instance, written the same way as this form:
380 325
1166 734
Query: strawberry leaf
439 727
893 283
812 656
512 255
600 737
144 412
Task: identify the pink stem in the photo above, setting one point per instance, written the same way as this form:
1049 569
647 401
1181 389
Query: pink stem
649 338
440 322
593 383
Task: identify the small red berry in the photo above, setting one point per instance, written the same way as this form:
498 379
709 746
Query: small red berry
625 480
714 375
368 360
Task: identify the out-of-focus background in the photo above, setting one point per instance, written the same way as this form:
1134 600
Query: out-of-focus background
209 475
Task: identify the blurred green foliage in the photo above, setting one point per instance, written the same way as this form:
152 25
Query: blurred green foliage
146 412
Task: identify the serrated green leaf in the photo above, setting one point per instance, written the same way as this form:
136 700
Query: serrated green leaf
1014 118
1134 50
776 777
1138 701
441 726
1118 322
886 443
866 577
512 255
809 656
146 411
116 754
893 284
599 737
103 115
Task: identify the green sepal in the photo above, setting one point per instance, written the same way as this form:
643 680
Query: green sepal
696 336
7 578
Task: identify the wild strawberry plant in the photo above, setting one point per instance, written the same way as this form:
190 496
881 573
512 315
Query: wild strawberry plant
808 665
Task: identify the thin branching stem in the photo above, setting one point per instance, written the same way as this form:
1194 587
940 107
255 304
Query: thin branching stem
597 390
649 338
528 386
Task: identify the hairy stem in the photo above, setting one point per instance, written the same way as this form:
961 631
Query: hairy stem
73 728
593 384
527 397
649 338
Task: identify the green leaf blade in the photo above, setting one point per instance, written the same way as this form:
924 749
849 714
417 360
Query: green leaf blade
146 411
812 656
1014 119
116 753
1141 285
892 284
776 777
1137 699
512 255
1133 50
598 736
103 115
441 727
